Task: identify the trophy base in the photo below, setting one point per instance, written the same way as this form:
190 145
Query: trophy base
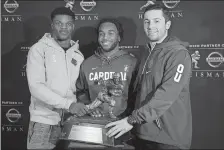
84 146
89 130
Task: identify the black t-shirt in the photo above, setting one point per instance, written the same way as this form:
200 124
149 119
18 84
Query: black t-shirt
65 48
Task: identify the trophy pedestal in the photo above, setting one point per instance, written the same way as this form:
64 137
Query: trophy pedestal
90 130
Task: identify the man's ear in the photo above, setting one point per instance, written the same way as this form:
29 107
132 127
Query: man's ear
168 24
73 26
119 38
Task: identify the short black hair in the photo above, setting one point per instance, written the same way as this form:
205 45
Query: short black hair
62 11
166 13
115 22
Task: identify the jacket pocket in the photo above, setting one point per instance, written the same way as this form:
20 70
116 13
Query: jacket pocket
148 129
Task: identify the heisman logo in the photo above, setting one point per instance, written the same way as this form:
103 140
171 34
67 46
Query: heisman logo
149 2
126 68
195 58
69 4
11 6
87 6
168 3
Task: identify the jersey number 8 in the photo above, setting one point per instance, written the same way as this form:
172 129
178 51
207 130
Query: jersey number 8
180 69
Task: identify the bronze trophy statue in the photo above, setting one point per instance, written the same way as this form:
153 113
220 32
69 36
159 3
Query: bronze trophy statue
111 88
89 129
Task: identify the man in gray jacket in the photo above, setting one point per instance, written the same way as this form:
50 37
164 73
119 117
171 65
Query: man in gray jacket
52 70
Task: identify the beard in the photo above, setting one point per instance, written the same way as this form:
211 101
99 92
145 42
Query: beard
109 48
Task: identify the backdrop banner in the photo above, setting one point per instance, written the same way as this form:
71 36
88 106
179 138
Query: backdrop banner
198 22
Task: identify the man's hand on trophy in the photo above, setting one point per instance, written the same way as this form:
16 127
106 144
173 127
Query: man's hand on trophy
96 113
78 109
118 128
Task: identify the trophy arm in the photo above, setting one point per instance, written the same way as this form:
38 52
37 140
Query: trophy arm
96 103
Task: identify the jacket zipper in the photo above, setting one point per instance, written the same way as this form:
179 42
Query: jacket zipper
146 62
158 123
157 120
67 72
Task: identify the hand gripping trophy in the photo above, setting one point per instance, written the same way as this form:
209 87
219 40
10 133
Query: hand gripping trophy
111 88
86 129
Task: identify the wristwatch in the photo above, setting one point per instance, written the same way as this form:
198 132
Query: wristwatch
131 120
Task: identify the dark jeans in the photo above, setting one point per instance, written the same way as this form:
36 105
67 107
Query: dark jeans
146 145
